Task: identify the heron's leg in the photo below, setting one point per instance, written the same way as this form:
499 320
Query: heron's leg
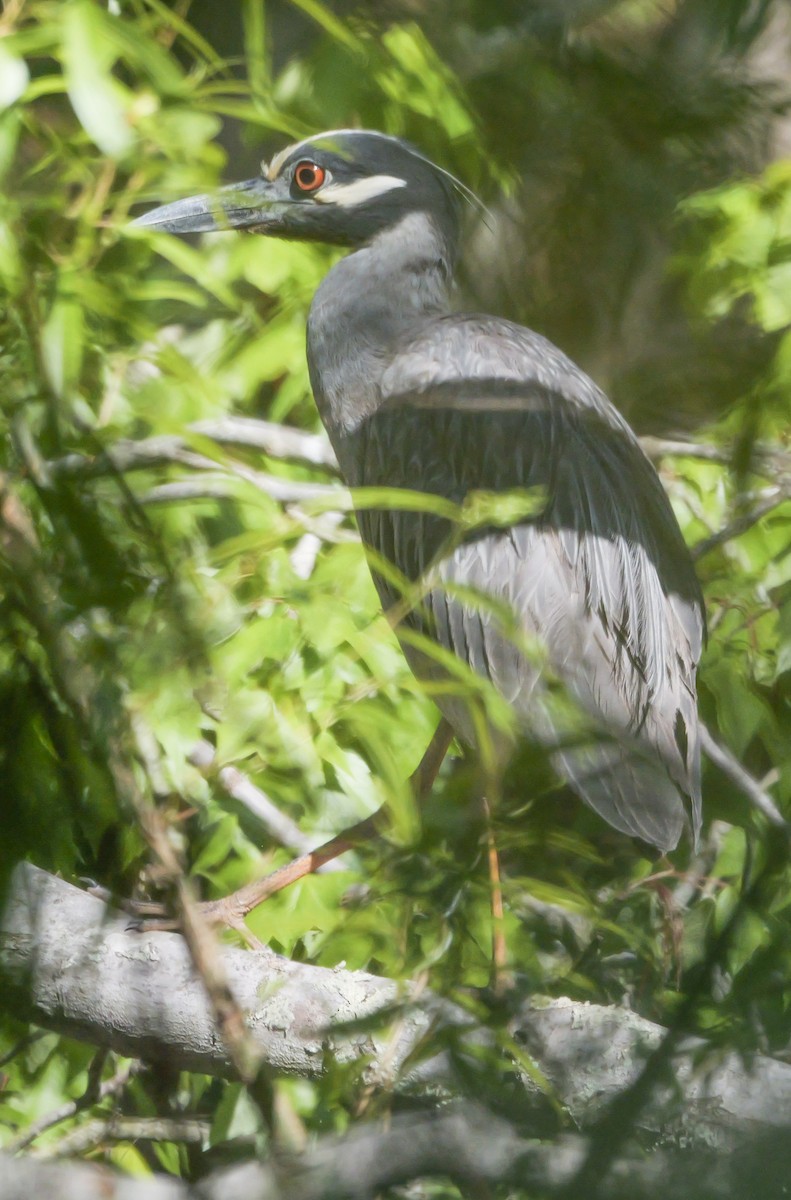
232 909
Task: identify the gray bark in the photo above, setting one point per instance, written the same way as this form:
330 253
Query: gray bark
467 1144
73 966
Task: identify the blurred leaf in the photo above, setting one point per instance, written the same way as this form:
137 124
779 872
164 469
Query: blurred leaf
236 1116
61 344
100 102
14 77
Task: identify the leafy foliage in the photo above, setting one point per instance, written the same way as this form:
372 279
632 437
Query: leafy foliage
180 597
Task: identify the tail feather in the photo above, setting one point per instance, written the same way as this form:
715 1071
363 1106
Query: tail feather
631 791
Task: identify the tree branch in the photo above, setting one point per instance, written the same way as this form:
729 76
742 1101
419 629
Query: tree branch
110 1087
116 1128
70 965
466 1144
766 503
124 456
239 787
730 766
276 441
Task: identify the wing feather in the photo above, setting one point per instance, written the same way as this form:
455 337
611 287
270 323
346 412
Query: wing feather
601 577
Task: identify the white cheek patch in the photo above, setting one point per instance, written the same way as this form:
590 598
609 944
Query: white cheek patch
348 194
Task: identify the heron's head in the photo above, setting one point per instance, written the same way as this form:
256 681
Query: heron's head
342 187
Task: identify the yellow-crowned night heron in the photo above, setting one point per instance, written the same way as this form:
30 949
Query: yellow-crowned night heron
416 396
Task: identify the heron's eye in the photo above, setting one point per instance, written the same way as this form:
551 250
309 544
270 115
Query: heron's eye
309 176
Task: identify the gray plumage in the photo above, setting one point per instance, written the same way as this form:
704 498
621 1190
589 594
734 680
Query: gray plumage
414 396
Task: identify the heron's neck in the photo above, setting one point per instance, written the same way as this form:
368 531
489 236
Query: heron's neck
365 309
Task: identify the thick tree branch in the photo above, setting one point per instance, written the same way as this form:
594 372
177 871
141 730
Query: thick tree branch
466 1144
72 966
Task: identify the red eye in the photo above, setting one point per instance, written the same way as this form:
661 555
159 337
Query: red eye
309 176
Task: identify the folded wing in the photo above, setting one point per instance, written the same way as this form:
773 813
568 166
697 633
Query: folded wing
600 577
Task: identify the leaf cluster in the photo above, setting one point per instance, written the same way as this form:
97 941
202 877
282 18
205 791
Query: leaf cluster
144 611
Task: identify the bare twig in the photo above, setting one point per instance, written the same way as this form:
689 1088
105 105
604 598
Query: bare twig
128 1129
730 766
231 910
237 785
276 441
769 500
91 1096
656 448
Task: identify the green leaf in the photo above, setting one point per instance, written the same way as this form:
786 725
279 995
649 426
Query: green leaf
236 1116
62 345
100 102
14 77
12 269
500 509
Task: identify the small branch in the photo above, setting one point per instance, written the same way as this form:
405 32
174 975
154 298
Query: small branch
110 1087
772 462
766 459
730 766
656 448
191 489
770 499
285 442
128 1129
128 455
282 442
237 785
276 441
218 488
125 456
